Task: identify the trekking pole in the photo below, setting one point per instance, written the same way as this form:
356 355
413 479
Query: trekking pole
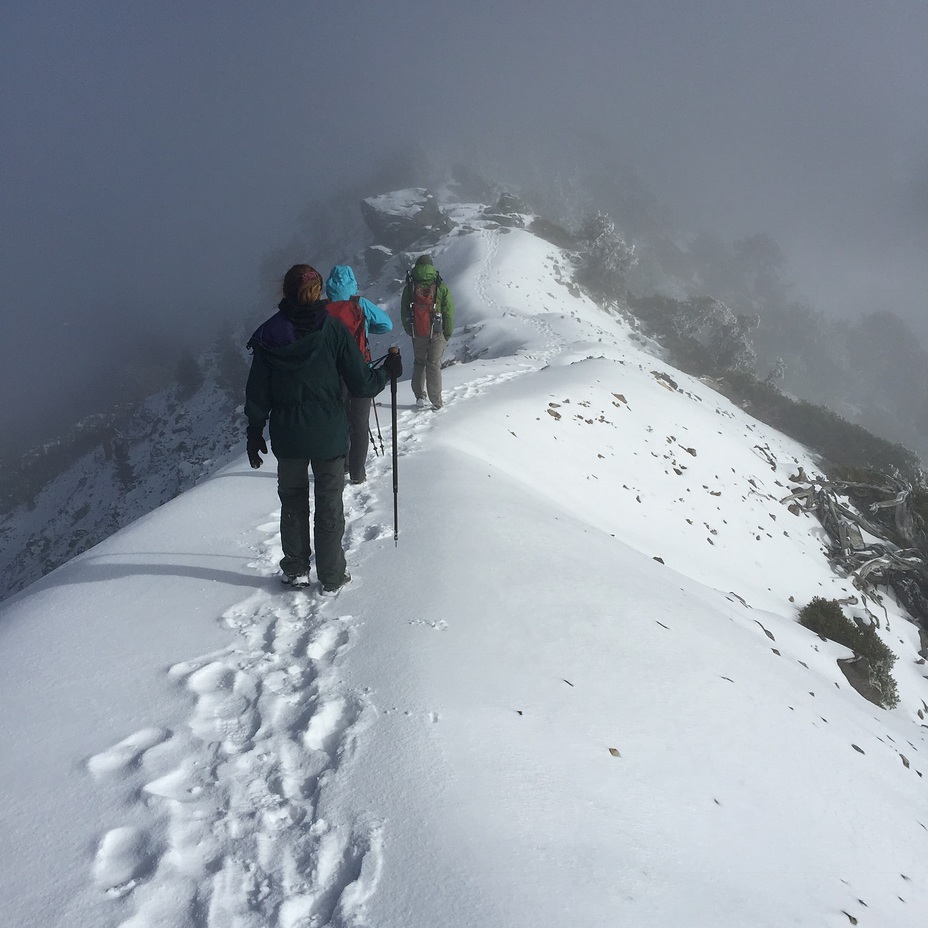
394 350
379 433
370 432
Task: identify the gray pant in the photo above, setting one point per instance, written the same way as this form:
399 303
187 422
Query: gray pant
426 368
359 438
329 521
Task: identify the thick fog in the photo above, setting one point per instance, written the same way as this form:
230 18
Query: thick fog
153 155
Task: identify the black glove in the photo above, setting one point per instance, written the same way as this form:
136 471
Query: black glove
256 443
393 365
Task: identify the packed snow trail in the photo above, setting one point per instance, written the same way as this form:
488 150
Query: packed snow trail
241 832
236 836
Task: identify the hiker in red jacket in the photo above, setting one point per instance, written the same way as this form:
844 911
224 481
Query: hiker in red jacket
363 319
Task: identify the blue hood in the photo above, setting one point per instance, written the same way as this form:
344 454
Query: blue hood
341 284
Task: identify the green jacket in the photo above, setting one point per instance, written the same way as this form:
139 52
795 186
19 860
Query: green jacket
444 303
296 380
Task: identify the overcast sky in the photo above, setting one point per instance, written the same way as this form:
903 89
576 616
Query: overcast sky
152 154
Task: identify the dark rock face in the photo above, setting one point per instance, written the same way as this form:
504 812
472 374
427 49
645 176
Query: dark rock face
405 218
553 233
509 204
508 211
375 258
857 671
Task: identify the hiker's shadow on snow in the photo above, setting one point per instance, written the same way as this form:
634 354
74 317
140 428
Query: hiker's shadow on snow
110 570
267 469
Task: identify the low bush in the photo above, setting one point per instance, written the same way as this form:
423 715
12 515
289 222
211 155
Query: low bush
826 618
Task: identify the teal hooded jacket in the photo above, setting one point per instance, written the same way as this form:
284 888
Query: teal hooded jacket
343 285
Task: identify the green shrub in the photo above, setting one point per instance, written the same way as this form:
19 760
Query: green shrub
826 618
881 661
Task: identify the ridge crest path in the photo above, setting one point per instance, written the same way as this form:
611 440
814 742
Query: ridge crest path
240 830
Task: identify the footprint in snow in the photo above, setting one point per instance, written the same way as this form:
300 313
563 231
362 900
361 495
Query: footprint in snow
344 876
127 753
186 784
377 532
330 720
225 709
124 856
327 642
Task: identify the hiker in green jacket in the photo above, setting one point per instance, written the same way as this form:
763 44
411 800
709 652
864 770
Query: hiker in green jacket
427 313
301 356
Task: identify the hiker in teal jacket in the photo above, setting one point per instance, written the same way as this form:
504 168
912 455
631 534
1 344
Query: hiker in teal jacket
427 312
343 285
301 356
363 318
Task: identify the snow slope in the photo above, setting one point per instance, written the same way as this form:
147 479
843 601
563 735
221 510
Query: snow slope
574 692
168 444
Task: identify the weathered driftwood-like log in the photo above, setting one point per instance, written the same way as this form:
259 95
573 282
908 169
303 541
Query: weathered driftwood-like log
875 560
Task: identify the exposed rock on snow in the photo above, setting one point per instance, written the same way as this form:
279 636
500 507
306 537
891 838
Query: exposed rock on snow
405 218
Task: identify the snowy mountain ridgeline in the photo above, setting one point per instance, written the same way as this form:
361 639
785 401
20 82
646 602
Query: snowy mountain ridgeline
114 468
65 496
576 690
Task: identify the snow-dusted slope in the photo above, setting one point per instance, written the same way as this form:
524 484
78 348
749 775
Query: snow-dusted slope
575 692
167 445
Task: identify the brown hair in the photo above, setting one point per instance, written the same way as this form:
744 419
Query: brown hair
303 284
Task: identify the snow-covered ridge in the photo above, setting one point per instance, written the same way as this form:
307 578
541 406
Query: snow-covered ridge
164 447
574 692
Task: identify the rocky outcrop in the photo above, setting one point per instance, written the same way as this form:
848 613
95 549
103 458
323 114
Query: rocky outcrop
509 211
405 219
375 259
553 233
859 675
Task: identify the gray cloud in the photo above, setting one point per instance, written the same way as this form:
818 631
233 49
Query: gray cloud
153 154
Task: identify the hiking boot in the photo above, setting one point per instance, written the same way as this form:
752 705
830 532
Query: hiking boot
297 581
421 401
331 590
358 480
